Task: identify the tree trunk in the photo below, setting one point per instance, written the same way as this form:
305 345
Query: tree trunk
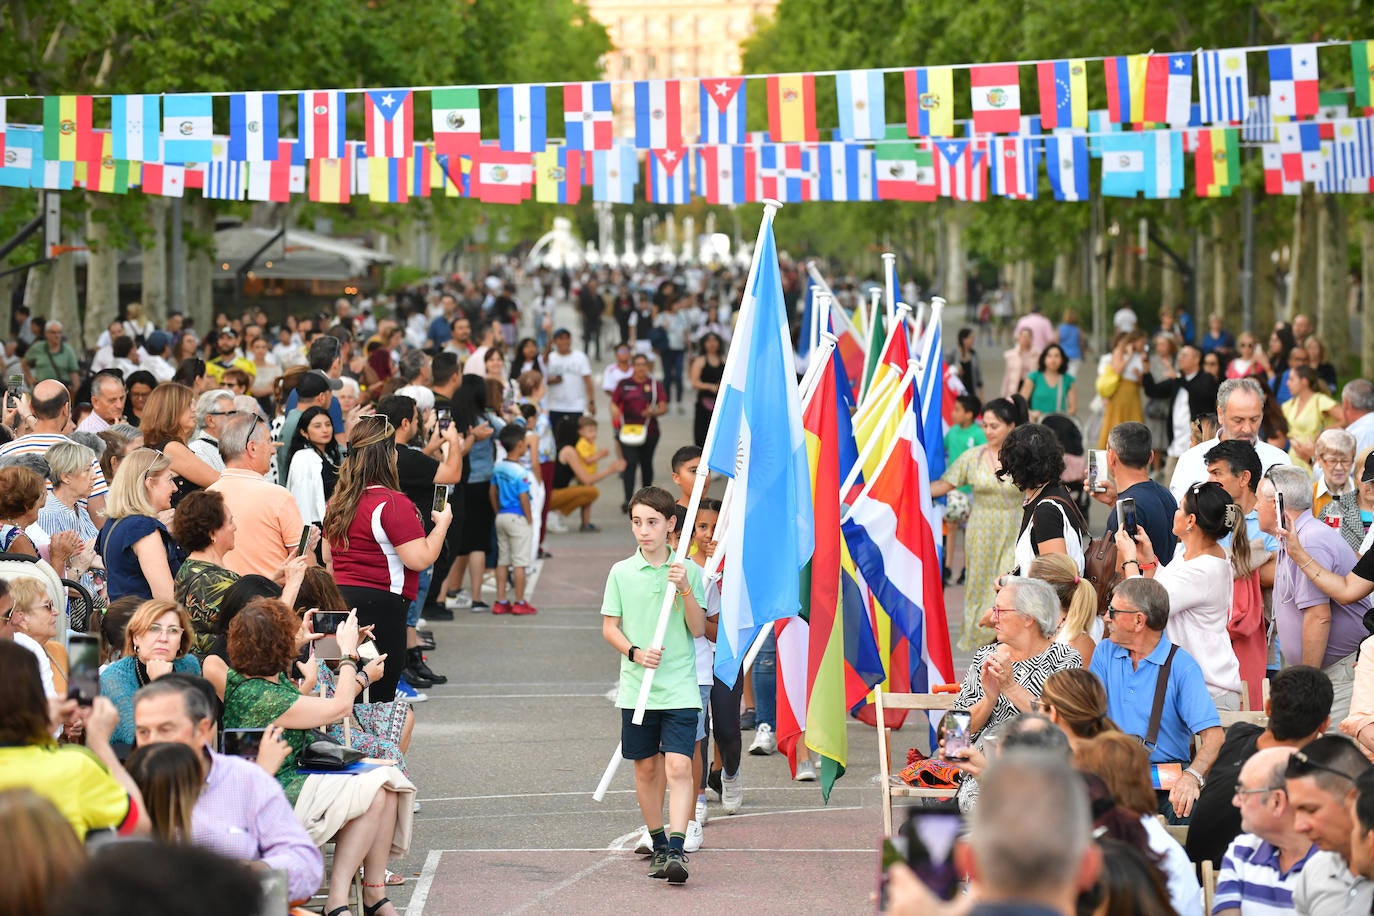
1333 323
200 265
1225 267
956 273
1266 291
102 271
155 262
1303 289
1199 251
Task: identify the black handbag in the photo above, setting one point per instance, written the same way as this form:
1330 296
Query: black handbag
324 753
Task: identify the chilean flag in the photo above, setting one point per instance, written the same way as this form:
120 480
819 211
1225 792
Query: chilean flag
1293 81
320 120
1169 88
658 114
722 110
390 124
725 174
587 116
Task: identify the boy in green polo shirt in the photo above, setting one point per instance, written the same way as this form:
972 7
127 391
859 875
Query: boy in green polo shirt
662 747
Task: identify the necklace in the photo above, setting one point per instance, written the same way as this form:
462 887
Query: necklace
141 672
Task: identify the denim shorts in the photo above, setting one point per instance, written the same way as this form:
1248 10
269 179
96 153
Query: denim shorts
665 731
704 717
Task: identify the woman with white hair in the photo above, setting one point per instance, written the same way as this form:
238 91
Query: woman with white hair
1335 496
71 476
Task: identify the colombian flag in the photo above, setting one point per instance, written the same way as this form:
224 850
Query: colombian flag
67 134
792 109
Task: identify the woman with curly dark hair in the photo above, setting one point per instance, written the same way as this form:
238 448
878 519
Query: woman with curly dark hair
204 528
1033 460
368 815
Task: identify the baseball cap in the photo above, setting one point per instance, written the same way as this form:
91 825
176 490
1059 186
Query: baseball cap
1367 475
315 383
157 342
562 332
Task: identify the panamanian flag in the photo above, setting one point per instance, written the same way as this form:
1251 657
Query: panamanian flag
390 124
587 116
723 110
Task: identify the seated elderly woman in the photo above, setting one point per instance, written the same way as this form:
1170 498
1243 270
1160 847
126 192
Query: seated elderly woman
368 815
156 642
1336 496
37 622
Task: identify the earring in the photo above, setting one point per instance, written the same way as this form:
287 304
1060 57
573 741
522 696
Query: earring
1190 527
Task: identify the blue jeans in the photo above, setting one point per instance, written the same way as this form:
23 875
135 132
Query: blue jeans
418 605
765 675
672 373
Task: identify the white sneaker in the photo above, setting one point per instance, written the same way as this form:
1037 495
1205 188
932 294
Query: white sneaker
731 792
421 623
806 771
702 816
764 742
694 837
459 602
555 524
645 846
415 808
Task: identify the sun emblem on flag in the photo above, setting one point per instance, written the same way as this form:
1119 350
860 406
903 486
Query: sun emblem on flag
499 173
67 127
1346 130
186 128
997 98
613 173
860 105
790 95
11 157
929 101
657 114
455 120
1232 63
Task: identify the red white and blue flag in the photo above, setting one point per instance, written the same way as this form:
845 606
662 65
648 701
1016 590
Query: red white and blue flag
1293 78
725 174
587 116
669 178
1066 160
321 124
1301 145
787 172
390 124
1169 88
722 110
1015 167
961 170
658 114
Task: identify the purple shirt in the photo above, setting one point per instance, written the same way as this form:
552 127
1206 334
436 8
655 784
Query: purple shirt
1294 592
243 813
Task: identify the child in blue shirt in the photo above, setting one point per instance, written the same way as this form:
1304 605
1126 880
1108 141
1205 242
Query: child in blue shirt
510 497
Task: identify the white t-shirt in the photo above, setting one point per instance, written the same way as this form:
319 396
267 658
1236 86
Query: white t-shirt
614 375
570 394
1199 605
706 650
1185 893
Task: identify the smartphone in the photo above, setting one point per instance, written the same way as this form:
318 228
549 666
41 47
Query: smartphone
445 419
1125 516
305 540
83 668
13 389
241 742
1278 507
956 730
925 842
1097 471
440 497
327 623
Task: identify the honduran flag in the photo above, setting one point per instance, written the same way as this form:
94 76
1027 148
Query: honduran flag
1293 77
668 177
523 118
254 132
847 172
725 174
615 172
587 116
996 98
135 127
859 94
321 125
1015 167
1063 93
1066 160
929 101
723 109
658 114
188 129
558 176
390 124
1168 88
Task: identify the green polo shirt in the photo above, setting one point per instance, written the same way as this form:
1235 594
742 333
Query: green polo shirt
50 366
634 593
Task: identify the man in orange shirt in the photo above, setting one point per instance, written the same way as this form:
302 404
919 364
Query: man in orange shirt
269 522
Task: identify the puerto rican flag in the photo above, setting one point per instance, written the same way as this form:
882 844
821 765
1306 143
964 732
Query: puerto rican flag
320 120
1293 81
390 124
658 114
961 170
725 174
587 115
668 177
722 110
1015 167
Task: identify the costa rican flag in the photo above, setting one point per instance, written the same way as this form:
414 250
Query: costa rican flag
658 114
390 124
587 116
668 177
254 133
1015 167
725 174
722 110
321 120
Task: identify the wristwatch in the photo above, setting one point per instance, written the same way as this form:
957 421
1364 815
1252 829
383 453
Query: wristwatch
1196 775
631 654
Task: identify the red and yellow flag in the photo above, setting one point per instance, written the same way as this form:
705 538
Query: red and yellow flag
67 134
792 109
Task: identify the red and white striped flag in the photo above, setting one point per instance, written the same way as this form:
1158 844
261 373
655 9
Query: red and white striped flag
390 124
321 124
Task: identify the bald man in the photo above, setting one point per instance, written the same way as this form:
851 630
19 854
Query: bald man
1261 866
49 421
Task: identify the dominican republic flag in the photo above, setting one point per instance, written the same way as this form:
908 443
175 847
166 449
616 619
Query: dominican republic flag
860 97
1301 145
321 124
188 128
523 118
1063 93
558 175
1015 167
390 124
722 110
1293 88
457 121
658 114
135 122
1274 181
615 172
277 179
929 101
587 115
1354 148
725 174
847 172
668 177
1066 159
961 170
786 172
996 98
1168 88
1223 86
254 132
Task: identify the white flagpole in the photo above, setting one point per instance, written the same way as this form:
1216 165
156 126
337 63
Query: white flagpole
746 314
890 282
893 406
895 327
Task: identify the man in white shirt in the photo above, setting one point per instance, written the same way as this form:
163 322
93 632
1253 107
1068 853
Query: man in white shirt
213 409
1240 409
1357 401
569 378
107 404
1320 786
618 371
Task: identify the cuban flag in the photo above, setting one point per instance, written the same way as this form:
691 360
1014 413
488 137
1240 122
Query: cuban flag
254 132
587 116
390 124
1015 167
188 128
725 174
1223 86
859 94
1301 145
135 121
668 177
1066 159
658 114
1293 81
722 110
615 172
523 118
847 171
321 124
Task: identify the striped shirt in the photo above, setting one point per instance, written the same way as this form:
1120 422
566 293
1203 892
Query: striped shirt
39 443
1250 879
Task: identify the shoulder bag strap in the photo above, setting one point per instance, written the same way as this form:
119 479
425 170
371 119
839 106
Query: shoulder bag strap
1161 687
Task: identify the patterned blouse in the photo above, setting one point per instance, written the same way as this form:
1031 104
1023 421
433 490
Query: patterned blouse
252 702
200 587
1030 674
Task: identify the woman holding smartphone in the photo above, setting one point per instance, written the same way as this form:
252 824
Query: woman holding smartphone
378 544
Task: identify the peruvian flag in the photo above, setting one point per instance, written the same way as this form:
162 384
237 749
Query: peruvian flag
321 124
961 170
996 98
390 124
502 177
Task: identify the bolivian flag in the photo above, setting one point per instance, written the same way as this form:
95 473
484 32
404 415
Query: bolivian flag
1217 162
67 134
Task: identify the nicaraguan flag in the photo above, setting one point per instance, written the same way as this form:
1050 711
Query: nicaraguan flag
722 107
860 97
135 121
523 118
254 129
188 128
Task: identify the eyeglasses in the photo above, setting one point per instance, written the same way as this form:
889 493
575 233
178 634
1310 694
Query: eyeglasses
1300 764
252 428
1112 611
157 629
222 413
1333 461
43 606
1263 790
997 612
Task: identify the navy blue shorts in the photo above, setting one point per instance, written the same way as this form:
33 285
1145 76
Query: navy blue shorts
665 731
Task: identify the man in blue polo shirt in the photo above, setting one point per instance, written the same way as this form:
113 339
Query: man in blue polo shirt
1129 666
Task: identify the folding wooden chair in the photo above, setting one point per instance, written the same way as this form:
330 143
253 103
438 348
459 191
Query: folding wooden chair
919 701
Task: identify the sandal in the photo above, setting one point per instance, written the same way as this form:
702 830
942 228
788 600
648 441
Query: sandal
340 909
394 879
372 910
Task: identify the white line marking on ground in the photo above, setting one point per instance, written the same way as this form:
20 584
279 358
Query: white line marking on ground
524 849
722 816
416 907
567 882
619 842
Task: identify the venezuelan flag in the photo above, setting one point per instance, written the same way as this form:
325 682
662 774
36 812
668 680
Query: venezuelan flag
792 109
67 134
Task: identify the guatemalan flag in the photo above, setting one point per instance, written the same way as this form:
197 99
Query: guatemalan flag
390 124
320 120
587 116
668 177
760 443
725 174
722 110
1293 81
523 118
658 114
254 133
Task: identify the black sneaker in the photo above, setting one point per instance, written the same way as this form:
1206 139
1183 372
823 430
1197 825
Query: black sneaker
480 607
659 866
675 869
746 720
415 679
713 781
436 612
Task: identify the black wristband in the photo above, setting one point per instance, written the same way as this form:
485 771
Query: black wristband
631 654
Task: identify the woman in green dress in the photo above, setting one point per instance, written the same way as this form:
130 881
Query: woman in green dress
994 519
1049 389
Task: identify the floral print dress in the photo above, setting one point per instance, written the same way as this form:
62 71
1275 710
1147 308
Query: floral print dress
990 539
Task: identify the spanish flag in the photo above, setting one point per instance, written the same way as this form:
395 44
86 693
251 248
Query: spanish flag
67 134
792 109
330 180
